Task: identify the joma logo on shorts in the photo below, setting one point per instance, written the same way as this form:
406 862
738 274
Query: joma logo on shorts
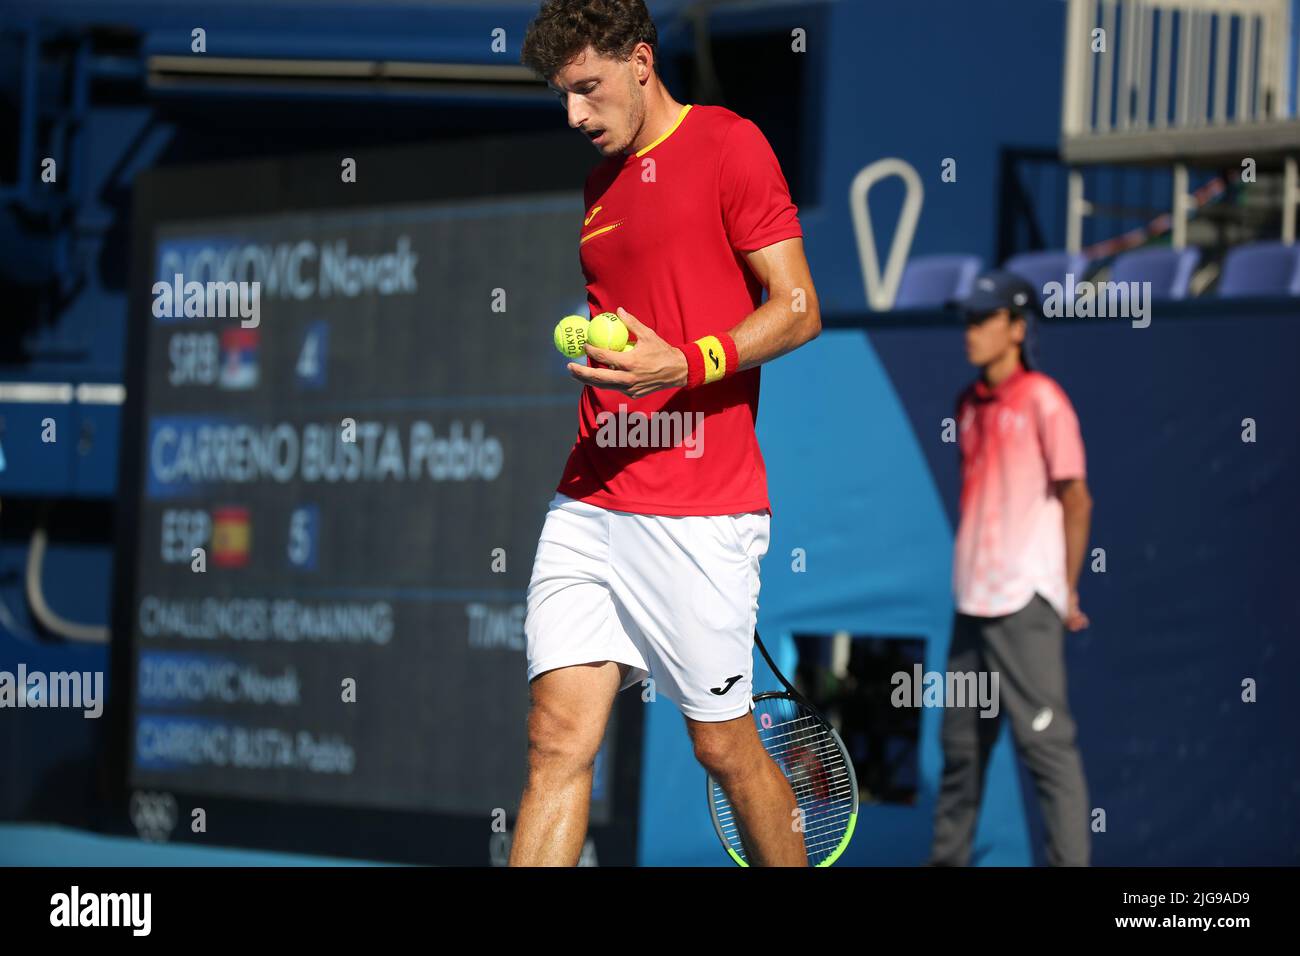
725 687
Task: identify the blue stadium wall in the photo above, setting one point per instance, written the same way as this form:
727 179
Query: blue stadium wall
1197 595
1198 530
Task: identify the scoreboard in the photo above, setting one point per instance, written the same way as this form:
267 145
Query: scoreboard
349 423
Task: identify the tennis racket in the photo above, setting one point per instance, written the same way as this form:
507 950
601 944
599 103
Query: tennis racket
812 757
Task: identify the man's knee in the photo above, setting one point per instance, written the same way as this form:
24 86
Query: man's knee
1045 739
559 743
725 752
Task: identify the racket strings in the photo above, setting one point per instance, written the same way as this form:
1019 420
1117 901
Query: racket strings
832 831
810 742
812 761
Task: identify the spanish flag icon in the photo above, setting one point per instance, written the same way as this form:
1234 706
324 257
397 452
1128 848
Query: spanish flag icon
231 534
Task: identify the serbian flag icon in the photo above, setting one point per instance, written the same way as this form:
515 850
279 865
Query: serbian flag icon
231 534
239 363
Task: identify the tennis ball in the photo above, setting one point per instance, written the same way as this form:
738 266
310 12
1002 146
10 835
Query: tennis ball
571 336
607 331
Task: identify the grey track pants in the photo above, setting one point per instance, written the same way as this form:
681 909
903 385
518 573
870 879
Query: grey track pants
1027 650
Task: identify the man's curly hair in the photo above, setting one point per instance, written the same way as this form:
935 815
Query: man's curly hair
564 28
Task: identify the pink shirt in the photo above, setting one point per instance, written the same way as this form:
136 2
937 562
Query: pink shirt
1016 440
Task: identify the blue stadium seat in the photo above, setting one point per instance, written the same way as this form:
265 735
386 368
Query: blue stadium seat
1168 270
936 280
1261 268
1041 268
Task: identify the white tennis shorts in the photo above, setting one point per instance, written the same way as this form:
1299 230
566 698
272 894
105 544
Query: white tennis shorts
674 598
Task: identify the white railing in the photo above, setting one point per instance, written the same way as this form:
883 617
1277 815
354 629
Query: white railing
1174 65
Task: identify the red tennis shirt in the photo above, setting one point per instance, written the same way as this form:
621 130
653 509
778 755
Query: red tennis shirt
664 236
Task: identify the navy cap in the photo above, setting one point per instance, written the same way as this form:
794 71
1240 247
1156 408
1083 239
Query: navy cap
999 290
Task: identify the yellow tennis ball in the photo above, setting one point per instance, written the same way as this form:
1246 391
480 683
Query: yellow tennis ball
571 336
607 331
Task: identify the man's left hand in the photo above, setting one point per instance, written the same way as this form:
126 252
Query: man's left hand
651 366
1075 619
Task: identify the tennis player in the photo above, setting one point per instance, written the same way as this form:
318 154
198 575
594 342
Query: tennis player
648 561
1025 514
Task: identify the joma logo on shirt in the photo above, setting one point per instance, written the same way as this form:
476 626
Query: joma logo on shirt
1004 421
601 231
597 232
1009 419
